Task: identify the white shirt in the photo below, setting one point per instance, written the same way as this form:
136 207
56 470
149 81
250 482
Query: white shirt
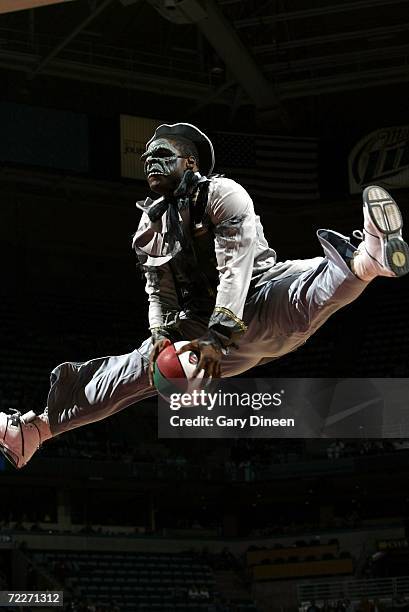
241 250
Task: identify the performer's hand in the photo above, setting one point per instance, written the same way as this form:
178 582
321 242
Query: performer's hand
210 355
158 346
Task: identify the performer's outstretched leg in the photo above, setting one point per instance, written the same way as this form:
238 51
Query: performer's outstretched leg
80 393
291 306
346 271
382 252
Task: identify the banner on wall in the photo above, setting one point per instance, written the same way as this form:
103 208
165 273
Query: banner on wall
135 132
381 157
270 166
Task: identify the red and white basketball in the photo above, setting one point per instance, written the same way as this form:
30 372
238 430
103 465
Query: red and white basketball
174 373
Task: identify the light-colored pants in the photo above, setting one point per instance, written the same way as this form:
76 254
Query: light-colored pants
284 311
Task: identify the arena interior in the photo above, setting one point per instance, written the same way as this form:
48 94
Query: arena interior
305 102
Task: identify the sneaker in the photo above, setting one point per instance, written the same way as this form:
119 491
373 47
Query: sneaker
382 251
21 436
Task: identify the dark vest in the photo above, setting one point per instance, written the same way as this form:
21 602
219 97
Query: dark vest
195 267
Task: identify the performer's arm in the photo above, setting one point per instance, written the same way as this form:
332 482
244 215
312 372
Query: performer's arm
232 213
163 309
163 302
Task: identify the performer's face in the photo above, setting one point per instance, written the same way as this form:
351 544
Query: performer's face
164 166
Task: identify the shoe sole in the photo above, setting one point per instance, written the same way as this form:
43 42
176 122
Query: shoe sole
387 218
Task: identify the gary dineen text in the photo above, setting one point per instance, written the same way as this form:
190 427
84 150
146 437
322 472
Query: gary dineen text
223 421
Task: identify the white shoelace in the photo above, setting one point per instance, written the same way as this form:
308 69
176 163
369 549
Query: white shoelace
358 234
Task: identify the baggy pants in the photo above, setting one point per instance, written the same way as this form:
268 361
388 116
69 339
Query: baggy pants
283 312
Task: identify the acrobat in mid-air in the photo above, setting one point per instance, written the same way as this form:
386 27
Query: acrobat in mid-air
211 279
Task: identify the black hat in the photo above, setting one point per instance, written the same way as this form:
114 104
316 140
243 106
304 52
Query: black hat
192 133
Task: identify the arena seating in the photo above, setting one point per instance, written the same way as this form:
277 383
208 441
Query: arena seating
137 581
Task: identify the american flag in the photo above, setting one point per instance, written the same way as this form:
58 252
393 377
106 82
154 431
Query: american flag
270 167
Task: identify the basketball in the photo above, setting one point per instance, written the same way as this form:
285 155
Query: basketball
173 373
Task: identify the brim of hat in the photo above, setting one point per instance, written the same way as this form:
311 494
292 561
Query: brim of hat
191 132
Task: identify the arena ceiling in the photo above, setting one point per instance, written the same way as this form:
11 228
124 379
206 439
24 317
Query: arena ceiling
230 52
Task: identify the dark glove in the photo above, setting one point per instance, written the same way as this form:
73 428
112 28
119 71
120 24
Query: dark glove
210 353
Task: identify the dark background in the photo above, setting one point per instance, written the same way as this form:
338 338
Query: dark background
70 289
